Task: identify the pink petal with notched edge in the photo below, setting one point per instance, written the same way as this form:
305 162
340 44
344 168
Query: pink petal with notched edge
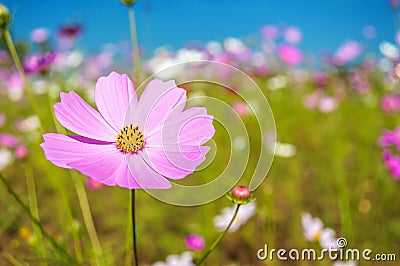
156 102
144 175
184 127
61 149
112 95
197 130
79 117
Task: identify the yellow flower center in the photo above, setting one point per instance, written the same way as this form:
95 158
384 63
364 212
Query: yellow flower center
316 236
130 139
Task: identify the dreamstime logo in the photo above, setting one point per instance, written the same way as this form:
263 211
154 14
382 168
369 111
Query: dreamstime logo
340 253
214 74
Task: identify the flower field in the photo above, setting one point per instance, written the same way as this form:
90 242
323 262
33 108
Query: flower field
99 152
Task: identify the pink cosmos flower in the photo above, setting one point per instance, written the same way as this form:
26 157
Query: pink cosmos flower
293 35
93 184
392 163
40 35
390 138
195 242
346 53
8 140
270 32
129 142
21 151
70 31
390 103
37 62
290 55
241 108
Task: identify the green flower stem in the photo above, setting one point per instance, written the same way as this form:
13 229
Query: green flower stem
26 209
87 216
13 261
134 228
219 238
33 206
83 201
131 243
135 47
129 233
18 65
131 230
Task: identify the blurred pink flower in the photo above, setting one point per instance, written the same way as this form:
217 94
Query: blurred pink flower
346 53
40 35
70 31
130 143
241 108
270 32
195 242
36 63
394 3
293 35
93 184
4 58
21 152
392 163
390 138
290 55
320 78
327 104
390 103
8 140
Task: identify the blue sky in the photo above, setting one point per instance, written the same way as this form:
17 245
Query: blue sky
325 24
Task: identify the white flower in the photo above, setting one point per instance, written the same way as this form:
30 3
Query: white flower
6 158
31 123
313 230
285 150
244 213
347 263
185 259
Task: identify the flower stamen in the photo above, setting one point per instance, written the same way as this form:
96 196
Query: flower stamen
130 139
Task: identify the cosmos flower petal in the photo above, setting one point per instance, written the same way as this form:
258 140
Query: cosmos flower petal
156 103
112 95
102 167
191 127
144 175
62 149
79 117
173 163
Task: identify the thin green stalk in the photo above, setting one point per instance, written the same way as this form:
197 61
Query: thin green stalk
131 243
13 261
134 228
87 216
219 238
135 47
33 206
18 65
26 209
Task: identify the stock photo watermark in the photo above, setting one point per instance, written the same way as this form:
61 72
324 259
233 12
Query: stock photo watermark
339 253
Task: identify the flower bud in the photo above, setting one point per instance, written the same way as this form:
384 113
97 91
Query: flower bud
240 195
241 192
5 17
128 2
